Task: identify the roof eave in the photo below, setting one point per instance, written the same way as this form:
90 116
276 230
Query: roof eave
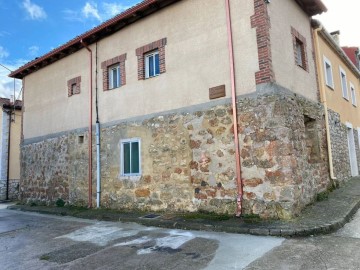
109 27
312 7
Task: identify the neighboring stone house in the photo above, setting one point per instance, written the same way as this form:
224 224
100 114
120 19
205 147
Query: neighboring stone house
10 133
163 77
339 83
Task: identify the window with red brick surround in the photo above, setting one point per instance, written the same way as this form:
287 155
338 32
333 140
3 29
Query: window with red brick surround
74 86
120 60
141 52
299 43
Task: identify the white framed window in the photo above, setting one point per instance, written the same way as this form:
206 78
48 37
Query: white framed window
329 79
114 76
343 81
353 94
152 64
130 157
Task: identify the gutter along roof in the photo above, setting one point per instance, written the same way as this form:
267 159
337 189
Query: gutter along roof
105 29
329 39
141 10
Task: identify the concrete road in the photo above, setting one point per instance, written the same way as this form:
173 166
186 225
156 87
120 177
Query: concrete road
34 241
338 251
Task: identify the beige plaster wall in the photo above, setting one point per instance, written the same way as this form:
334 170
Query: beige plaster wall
197 59
348 112
48 109
14 172
285 14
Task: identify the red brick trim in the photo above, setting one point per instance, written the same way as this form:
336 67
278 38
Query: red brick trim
140 52
261 21
113 61
299 39
70 84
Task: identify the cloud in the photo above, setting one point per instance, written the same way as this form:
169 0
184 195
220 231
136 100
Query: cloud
6 83
72 15
113 9
33 51
90 10
34 11
3 53
4 33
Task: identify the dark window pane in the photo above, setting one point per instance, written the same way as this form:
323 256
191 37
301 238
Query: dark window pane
135 166
115 78
151 66
157 64
126 161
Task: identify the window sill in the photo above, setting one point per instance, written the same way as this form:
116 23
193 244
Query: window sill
330 87
114 88
146 78
133 177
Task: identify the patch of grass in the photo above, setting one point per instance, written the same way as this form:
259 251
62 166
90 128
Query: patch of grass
322 196
250 216
45 257
60 202
208 216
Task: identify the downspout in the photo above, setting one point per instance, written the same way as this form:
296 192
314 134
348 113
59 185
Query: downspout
239 183
8 157
321 83
90 128
98 168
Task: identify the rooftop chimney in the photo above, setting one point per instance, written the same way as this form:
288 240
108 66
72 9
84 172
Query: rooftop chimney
336 36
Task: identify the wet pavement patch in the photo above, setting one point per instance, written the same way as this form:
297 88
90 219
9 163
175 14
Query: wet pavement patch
71 253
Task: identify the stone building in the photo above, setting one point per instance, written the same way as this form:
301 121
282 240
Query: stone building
166 82
10 133
339 85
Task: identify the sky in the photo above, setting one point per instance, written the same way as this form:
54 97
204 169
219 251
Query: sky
31 28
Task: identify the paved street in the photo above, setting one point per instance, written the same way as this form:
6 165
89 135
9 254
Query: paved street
34 241
339 251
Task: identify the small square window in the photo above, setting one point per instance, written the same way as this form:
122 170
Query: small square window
152 64
353 94
328 73
114 76
344 84
130 157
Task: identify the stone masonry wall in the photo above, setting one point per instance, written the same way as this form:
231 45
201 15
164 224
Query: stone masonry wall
2 190
188 160
340 150
357 146
45 170
14 188
284 156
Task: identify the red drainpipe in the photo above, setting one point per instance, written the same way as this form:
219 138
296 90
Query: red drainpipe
90 126
233 97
